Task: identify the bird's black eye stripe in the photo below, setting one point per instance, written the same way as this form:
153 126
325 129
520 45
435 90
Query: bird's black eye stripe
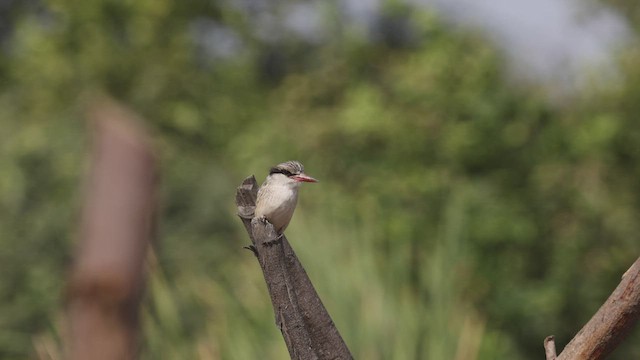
280 171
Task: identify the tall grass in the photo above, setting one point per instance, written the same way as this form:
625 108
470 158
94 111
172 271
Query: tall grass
391 298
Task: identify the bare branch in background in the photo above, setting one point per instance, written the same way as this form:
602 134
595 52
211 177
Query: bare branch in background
107 279
611 324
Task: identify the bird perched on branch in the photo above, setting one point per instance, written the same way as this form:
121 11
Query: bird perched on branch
278 195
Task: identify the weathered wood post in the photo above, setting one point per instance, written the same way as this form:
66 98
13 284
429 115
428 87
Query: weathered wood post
107 278
306 326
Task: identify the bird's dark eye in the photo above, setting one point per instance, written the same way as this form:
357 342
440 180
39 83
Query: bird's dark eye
280 171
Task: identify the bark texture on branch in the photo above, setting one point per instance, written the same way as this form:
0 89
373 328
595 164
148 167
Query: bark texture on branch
611 324
307 328
107 279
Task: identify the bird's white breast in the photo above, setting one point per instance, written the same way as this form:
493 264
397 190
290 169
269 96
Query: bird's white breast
277 203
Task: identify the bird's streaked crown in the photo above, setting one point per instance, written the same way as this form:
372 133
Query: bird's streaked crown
288 168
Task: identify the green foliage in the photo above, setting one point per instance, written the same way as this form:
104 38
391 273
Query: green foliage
458 215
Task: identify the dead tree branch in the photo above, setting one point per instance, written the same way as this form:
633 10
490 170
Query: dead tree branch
611 324
307 328
107 278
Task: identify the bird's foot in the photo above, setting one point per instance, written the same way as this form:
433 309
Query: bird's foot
253 249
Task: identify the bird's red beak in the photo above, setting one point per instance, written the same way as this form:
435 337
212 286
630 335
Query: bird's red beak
304 178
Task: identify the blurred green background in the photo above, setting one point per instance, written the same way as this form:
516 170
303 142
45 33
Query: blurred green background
465 210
